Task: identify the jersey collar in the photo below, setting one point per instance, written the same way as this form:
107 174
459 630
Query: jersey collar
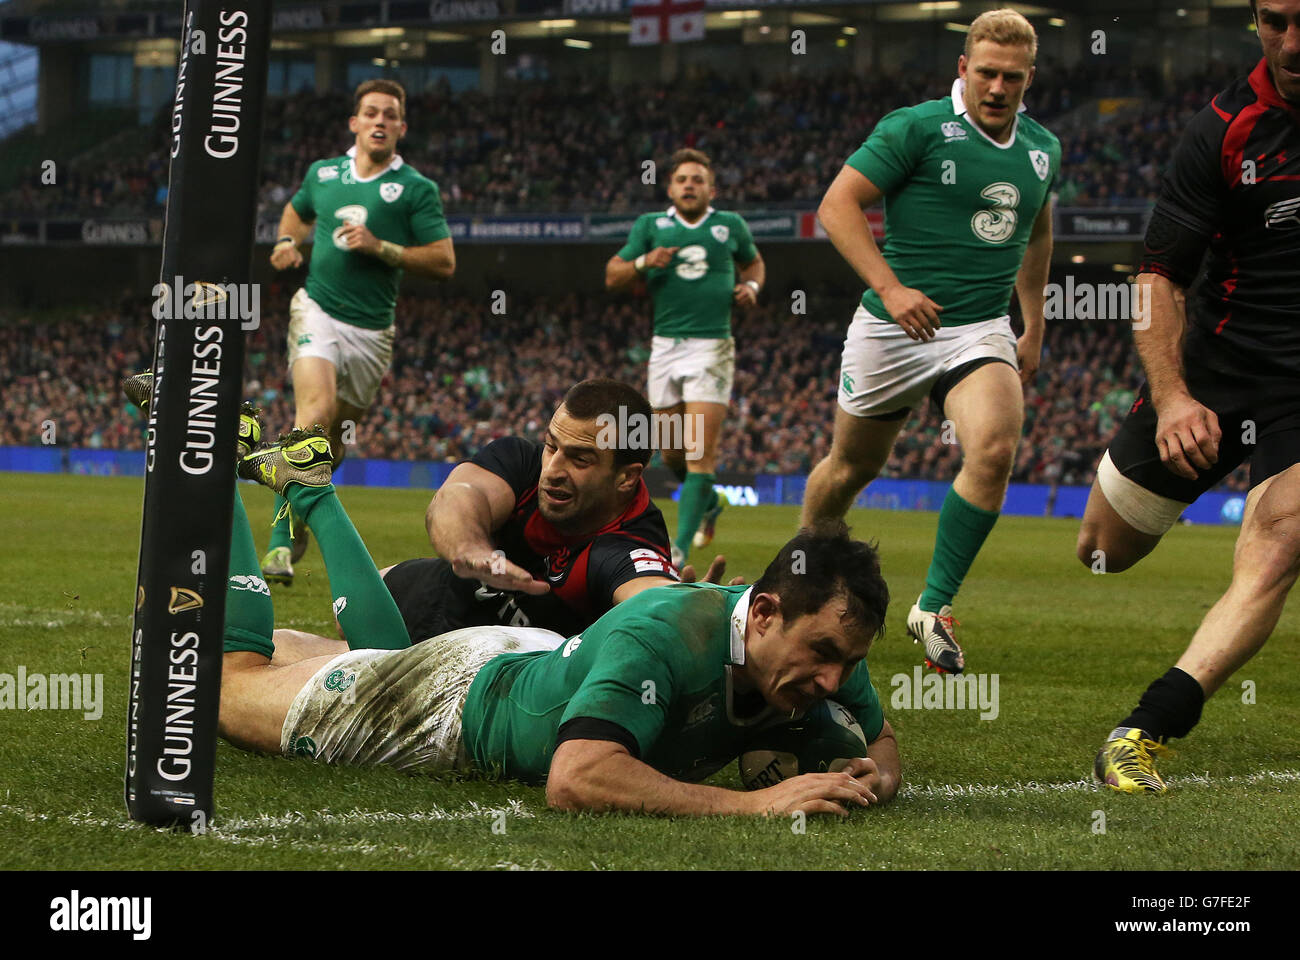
959 109
393 164
1261 82
672 212
739 616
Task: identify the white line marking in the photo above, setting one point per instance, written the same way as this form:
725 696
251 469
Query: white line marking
950 790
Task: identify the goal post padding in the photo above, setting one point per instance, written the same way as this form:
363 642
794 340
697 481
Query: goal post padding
203 305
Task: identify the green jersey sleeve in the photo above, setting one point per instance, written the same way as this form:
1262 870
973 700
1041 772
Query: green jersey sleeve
638 241
302 201
745 249
890 153
428 224
858 695
629 684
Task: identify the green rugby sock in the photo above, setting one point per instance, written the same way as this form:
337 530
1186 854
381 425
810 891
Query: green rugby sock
365 609
281 531
691 508
250 615
963 528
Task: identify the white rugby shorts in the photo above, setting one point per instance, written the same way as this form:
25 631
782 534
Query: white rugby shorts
691 370
399 708
883 370
360 355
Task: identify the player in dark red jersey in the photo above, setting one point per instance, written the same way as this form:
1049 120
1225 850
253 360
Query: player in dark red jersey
1223 384
546 534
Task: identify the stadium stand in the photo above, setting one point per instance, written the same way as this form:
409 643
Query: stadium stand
462 377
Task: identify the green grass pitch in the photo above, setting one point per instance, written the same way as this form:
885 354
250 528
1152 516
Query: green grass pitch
1072 651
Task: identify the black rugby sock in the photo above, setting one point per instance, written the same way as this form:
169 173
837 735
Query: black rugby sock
1170 707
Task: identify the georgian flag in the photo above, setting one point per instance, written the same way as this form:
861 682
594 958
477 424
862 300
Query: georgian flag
677 21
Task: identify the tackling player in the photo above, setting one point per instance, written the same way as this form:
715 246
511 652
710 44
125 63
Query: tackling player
656 695
1223 384
967 185
688 256
375 217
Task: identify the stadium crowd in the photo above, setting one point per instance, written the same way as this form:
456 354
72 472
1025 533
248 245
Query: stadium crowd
462 377
775 141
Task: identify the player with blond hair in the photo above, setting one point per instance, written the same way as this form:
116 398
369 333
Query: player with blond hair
966 181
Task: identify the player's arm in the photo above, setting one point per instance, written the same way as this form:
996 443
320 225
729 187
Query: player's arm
601 775
460 520
620 273
885 775
292 233
750 280
841 214
636 258
1191 206
717 570
1030 281
436 260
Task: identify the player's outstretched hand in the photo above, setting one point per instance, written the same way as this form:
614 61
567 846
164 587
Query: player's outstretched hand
835 793
498 572
717 569
1187 436
660 256
286 256
743 296
916 313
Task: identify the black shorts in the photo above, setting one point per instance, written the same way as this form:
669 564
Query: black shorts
432 599
1250 405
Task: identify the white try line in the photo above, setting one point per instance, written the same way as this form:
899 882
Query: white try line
232 830
950 790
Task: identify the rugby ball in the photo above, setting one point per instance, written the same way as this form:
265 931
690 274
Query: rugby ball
823 740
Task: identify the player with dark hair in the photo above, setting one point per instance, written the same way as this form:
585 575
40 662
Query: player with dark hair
688 257
966 181
1223 384
375 218
658 694
548 534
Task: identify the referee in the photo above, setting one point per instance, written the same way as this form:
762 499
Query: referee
1223 384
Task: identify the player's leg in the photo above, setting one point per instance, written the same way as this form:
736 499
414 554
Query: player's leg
708 369
1135 498
1266 562
664 391
314 375
702 426
1107 542
255 695
883 375
860 447
299 468
986 407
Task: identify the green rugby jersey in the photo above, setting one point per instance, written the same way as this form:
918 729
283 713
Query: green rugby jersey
959 207
692 295
397 204
657 665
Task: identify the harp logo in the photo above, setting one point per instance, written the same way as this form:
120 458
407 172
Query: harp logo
184 600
